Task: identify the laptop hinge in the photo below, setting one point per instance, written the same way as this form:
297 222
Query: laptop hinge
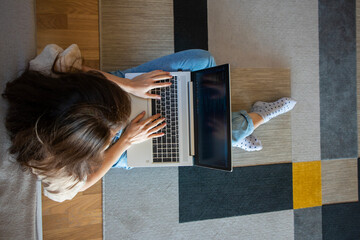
191 119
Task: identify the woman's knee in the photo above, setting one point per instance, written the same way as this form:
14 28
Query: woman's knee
205 56
201 58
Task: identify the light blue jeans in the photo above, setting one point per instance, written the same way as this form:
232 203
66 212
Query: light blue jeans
188 60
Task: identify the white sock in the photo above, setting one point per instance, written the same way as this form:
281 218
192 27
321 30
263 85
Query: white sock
270 110
250 143
45 60
69 59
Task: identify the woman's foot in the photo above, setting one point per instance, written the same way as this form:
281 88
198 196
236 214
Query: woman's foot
270 110
69 59
250 143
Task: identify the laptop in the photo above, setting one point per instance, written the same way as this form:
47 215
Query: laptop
197 109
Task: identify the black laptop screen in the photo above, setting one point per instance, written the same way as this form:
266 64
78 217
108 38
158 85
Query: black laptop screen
212 117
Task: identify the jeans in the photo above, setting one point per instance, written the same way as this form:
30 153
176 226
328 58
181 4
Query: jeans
188 60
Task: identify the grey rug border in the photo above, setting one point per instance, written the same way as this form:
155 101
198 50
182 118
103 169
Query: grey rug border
341 59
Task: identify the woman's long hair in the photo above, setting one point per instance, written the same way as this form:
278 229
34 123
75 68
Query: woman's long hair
63 122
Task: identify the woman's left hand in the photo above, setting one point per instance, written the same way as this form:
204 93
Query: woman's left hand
142 85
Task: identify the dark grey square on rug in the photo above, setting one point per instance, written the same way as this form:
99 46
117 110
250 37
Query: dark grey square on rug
208 194
308 224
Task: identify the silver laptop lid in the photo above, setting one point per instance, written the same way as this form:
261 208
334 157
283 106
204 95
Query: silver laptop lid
212 117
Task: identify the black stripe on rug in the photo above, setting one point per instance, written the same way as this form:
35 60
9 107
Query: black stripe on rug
338 112
208 194
190 24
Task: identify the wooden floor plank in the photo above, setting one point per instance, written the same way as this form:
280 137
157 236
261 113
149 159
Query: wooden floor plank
64 23
75 233
51 21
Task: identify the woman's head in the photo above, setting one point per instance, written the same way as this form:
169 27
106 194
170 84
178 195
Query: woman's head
63 122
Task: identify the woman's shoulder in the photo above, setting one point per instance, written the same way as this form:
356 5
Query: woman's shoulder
59 186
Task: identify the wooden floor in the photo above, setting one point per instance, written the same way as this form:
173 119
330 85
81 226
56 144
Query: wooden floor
65 22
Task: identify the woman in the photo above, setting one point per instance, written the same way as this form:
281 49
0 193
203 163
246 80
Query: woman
66 120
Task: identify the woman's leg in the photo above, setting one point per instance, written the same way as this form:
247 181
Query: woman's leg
257 119
188 60
269 110
242 126
245 123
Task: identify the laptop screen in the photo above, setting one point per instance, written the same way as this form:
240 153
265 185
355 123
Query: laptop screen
212 118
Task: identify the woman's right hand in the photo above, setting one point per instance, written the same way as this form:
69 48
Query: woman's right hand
139 131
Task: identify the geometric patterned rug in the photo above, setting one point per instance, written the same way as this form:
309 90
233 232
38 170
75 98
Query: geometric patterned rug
313 195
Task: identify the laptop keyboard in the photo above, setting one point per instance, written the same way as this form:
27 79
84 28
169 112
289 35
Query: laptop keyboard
166 148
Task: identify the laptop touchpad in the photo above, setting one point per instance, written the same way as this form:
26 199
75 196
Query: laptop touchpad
140 153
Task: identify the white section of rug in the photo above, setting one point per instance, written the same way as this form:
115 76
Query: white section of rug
143 203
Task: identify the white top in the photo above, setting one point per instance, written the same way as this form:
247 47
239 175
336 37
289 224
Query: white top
60 187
